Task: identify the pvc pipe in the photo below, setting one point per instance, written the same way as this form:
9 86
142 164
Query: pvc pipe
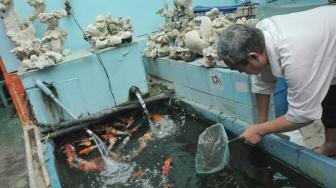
49 93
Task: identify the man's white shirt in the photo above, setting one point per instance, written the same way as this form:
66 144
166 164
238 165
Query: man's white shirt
301 48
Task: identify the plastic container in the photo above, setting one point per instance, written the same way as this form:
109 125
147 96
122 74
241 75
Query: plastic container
247 6
280 97
200 10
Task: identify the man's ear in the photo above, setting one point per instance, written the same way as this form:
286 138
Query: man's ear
254 55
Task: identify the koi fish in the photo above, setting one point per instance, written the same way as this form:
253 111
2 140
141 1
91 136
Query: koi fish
166 166
92 165
134 129
143 143
86 143
107 136
127 121
165 169
87 150
70 152
123 144
138 173
155 117
116 132
75 162
124 123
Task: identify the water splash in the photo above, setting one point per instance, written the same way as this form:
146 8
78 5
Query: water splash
115 172
144 107
164 127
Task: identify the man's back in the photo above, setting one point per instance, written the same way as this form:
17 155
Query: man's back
301 47
310 33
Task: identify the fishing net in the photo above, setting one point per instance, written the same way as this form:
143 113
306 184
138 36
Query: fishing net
212 150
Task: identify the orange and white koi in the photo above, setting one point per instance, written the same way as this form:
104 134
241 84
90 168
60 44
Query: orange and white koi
111 138
75 162
87 150
70 152
143 143
116 132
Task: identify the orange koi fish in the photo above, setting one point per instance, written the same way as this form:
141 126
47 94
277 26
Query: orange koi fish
107 136
166 166
70 152
155 117
75 162
115 131
87 150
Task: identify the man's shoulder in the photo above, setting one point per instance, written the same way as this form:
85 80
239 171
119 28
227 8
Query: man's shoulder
265 23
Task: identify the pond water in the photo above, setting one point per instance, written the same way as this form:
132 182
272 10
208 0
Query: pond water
173 141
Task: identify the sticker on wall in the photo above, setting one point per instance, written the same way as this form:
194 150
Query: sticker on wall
216 80
241 87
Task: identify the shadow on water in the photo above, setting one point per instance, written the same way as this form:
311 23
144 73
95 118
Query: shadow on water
248 166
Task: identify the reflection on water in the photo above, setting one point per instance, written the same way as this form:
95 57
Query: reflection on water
173 137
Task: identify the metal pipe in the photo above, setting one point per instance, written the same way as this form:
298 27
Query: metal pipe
49 93
96 117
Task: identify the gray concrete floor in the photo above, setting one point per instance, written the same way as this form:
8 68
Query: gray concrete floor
13 170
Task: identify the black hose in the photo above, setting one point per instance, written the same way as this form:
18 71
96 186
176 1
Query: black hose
68 126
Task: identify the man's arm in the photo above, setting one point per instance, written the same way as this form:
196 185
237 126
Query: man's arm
254 133
262 106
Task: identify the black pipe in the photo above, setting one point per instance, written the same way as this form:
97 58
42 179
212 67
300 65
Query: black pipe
68 126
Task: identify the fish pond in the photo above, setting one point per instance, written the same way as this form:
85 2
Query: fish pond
159 156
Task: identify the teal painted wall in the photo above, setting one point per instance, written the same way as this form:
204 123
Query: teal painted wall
82 85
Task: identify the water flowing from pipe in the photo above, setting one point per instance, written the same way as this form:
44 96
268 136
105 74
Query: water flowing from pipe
142 102
104 151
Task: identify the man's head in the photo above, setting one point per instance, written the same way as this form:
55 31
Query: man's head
242 48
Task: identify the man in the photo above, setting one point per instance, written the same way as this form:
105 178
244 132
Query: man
301 48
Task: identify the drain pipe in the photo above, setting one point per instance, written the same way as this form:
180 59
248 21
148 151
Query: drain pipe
49 93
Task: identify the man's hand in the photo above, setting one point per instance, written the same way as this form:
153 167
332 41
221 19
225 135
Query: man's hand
252 134
255 133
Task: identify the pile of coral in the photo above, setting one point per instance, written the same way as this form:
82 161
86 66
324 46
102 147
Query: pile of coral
184 37
35 53
107 32
169 41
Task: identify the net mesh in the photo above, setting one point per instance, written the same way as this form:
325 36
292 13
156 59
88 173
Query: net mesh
212 150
